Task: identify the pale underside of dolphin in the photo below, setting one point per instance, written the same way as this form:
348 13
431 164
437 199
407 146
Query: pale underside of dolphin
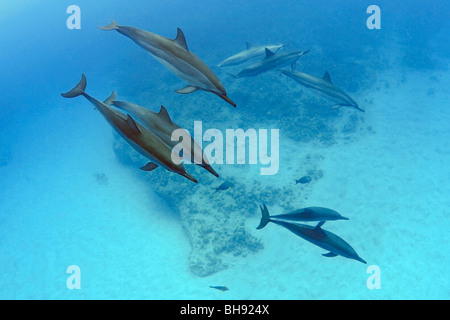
175 55
136 135
163 126
324 87
270 62
252 52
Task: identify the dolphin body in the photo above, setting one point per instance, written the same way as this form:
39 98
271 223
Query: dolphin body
175 55
140 138
325 87
161 124
271 61
316 235
252 52
310 214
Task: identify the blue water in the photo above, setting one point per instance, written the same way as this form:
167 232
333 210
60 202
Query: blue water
69 197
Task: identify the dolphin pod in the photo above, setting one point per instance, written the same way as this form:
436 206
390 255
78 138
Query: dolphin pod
324 239
175 55
151 134
161 124
141 139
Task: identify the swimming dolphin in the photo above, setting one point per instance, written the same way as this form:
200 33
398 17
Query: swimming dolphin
161 124
140 138
308 214
175 55
316 235
252 52
271 61
324 87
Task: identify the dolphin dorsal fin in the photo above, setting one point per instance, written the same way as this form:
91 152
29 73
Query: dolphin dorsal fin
326 77
163 114
319 231
320 224
180 39
269 53
110 99
249 45
133 125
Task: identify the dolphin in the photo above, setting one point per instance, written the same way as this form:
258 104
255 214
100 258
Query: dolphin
325 87
316 235
161 124
175 55
252 52
271 61
140 138
310 214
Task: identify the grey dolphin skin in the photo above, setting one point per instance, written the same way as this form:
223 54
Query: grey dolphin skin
325 87
271 61
316 235
175 55
252 52
311 214
161 124
140 138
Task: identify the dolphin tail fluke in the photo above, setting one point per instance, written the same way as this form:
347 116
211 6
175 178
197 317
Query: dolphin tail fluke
112 26
77 90
265 217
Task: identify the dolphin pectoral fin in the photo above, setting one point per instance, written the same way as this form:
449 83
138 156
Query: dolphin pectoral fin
187 89
149 166
112 26
329 254
133 125
336 106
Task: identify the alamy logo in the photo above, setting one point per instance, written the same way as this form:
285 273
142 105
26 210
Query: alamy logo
74 20
374 280
235 146
74 280
374 21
